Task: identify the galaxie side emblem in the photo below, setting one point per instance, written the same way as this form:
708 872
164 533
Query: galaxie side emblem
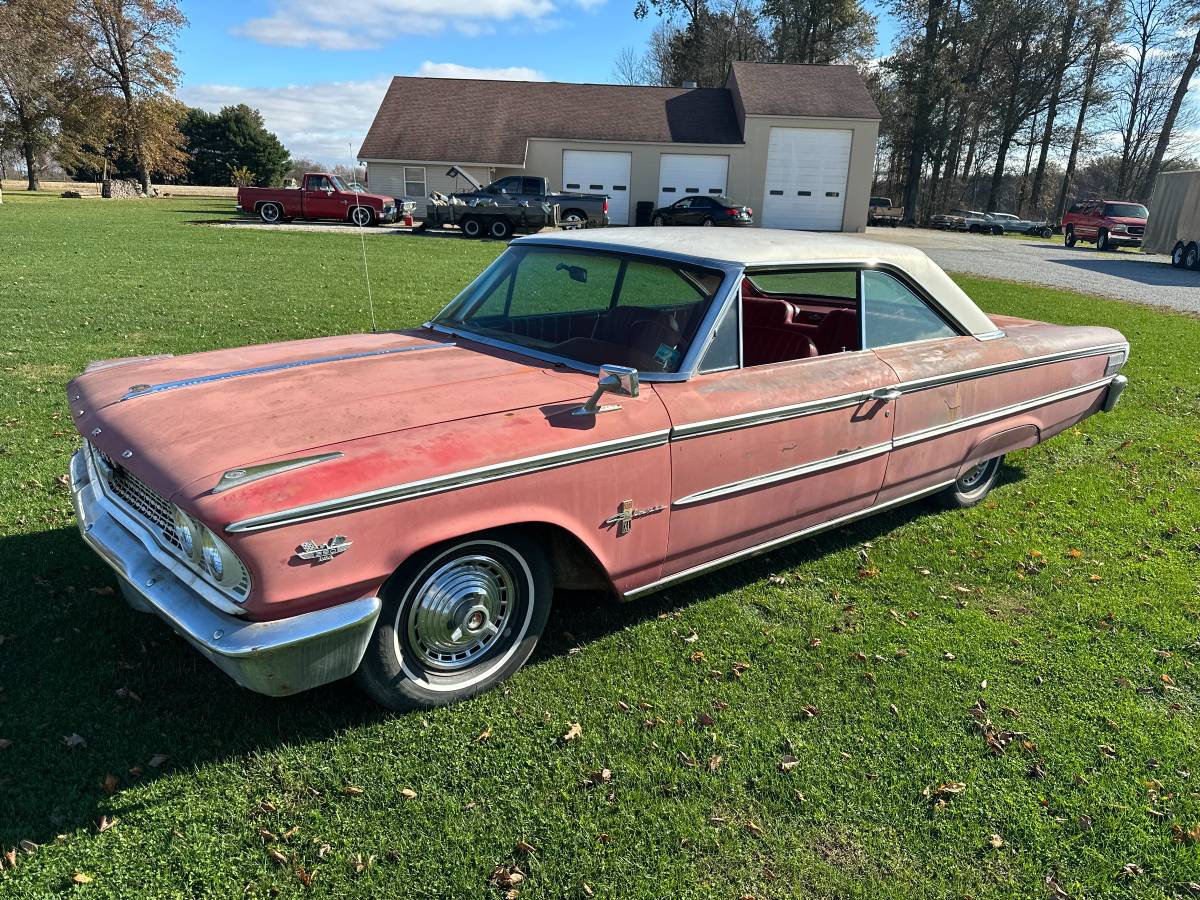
314 552
626 514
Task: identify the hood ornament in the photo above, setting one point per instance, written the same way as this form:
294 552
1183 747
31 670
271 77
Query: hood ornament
311 551
246 474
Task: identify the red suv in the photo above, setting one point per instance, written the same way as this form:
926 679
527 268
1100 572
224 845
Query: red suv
1106 223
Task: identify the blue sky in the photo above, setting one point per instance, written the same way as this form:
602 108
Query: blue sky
318 68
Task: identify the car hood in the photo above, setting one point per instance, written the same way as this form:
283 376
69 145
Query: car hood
1125 220
205 413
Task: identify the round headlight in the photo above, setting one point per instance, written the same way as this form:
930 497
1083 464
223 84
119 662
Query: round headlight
221 564
187 533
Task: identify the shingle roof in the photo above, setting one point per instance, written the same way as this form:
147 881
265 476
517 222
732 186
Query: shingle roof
489 122
476 121
776 89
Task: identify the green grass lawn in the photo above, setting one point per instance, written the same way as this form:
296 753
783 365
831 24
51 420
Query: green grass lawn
823 735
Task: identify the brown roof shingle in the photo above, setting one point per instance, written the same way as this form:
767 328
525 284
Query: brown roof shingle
779 89
476 121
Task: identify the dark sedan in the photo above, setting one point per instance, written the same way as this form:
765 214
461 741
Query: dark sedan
703 211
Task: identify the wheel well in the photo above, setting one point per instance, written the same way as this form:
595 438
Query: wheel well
578 212
572 564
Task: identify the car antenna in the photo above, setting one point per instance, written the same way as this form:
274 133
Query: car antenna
362 235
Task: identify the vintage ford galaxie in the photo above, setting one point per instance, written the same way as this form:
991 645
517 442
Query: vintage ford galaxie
619 410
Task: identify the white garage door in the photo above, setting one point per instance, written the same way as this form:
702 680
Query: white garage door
806 179
681 174
600 172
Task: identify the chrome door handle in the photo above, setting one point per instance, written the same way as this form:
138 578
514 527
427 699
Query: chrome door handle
885 394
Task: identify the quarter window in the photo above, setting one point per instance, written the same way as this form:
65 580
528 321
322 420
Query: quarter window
896 315
414 181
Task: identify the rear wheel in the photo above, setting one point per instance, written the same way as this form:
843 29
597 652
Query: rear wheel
1047 232
708 222
997 230
573 218
500 229
457 620
471 227
1191 256
271 213
973 485
1177 253
1069 237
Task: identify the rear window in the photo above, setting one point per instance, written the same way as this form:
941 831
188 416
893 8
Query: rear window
1126 210
811 283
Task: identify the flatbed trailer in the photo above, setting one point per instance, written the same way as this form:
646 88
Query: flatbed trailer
487 218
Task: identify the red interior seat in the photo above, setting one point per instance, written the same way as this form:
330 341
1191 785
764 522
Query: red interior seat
837 332
769 335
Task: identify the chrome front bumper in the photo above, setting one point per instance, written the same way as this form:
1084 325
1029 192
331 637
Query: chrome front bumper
277 658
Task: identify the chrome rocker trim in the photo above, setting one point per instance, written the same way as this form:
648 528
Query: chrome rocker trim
274 367
441 483
277 658
766 546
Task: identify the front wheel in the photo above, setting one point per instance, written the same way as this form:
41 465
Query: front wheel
1177 255
362 216
500 229
1069 237
659 222
1191 256
457 620
973 485
1102 241
1047 232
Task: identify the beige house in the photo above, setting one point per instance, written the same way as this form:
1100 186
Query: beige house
796 143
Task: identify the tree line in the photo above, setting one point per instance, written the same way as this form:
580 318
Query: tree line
90 86
1021 104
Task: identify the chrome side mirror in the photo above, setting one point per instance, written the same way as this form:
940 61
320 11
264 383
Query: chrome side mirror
619 380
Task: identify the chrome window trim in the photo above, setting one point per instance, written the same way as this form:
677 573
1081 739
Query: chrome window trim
131 522
441 483
758 549
809 468
274 367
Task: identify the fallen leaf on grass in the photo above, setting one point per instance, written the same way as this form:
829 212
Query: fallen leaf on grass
714 763
80 878
691 637
106 822
109 784
408 793
5 743
352 789
506 876
574 731
995 842
525 847
704 720
280 858
71 741
483 735
10 857
1130 870
28 846
810 711
124 693
754 828
157 760
305 876
788 763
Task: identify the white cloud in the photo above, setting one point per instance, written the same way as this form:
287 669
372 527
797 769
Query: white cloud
368 24
327 121
429 69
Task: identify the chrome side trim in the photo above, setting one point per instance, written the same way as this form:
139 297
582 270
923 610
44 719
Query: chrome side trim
763 417
820 465
810 407
915 437
245 475
992 335
274 367
766 546
1016 365
441 483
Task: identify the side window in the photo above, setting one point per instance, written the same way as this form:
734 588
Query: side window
685 203
319 183
512 184
531 186
722 351
895 315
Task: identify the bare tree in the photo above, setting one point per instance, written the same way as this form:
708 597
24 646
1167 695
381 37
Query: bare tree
1172 116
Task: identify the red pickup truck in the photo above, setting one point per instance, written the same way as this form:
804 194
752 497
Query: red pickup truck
1106 223
320 196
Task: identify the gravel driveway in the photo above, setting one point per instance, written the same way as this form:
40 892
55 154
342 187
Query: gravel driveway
1123 274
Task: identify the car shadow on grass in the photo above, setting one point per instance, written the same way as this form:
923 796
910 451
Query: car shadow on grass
96 697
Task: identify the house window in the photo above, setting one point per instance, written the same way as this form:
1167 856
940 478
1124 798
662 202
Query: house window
414 181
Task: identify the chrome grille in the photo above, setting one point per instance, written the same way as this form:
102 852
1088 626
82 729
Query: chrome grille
1139 230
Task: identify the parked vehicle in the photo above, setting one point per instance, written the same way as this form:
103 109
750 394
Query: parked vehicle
1109 224
498 217
575 210
881 212
1007 223
619 410
322 195
1175 225
954 220
703 210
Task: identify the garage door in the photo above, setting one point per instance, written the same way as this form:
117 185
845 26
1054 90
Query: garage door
806 179
681 174
600 172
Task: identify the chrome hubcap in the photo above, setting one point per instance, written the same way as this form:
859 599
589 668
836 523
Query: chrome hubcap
974 475
460 611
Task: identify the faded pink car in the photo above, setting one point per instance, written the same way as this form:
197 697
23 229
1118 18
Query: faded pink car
620 410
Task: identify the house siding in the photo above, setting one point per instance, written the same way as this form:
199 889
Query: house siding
388 178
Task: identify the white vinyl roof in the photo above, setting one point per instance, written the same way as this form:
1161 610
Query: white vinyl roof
754 247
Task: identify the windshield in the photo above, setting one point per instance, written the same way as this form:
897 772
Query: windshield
590 307
1127 210
340 185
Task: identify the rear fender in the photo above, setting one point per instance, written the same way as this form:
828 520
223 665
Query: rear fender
1000 443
